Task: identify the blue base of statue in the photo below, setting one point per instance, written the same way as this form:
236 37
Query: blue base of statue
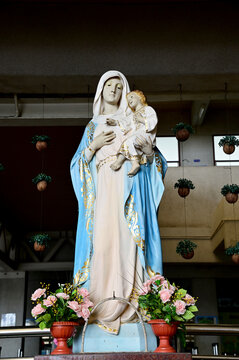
129 339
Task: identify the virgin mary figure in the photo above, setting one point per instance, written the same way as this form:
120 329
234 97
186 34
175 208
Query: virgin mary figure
117 242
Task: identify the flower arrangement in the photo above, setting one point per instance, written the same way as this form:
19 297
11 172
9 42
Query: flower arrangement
159 299
67 303
185 246
41 177
181 126
234 189
37 138
229 140
184 183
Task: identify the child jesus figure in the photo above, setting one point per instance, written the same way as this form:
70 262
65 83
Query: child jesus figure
141 123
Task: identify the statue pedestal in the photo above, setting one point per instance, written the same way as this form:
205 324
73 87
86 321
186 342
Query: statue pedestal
129 339
119 356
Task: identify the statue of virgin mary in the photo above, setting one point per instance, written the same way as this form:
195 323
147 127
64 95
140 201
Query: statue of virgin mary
117 242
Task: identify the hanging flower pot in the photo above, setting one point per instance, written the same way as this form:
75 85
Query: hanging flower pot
186 248
41 181
182 131
228 143
184 186
164 331
40 141
40 241
230 192
233 251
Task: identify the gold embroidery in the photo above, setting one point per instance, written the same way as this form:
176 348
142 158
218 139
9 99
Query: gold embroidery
124 150
104 327
158 162
132 220
103 162
82 275
150 272
90 131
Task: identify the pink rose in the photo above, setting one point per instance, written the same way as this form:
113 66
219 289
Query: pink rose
85 312
157 277
83 292
189 299
49 301
74 305
146 287
55 341
37 310
165 295
167 285
63 296
180 307
88 303
38 293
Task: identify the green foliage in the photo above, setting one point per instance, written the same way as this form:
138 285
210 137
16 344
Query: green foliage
41 177
234 188
181 126
161 300
232 250
185 246
56 306
184 183
229 140
37 138
41 238
1 167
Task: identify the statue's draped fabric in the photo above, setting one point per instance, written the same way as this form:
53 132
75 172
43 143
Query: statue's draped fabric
117 241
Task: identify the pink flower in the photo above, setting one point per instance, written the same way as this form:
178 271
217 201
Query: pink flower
85 312
157 277
180 307
189 299
168 286
55 341
63 296
88 303
146 287
74 305
50 300
83 292
37 310
165 295
38 293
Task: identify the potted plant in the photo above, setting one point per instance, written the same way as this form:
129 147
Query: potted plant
41 181
1 167
184 186
167 306
186 248
61 311
40 141
230 192
182 131
233 251
229 142
40 241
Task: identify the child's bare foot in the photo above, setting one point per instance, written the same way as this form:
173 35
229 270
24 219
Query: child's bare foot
134 169
118 163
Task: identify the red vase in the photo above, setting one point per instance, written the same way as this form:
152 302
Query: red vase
62 331
164 331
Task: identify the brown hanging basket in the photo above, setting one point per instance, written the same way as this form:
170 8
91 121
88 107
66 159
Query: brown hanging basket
41 145
183 192
39 247
182 134
235 258
188 255
41 185
231 197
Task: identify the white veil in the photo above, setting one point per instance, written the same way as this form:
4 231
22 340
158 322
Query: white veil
123 106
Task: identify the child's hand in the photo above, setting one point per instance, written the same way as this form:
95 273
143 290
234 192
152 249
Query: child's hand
111 122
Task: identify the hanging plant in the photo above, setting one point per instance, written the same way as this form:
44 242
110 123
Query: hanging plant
40 241
40 141
233 251
186 248
1 167
184 186
41 180
182 131
230 192
229 142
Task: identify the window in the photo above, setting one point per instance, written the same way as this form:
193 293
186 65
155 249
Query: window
222 159
168 145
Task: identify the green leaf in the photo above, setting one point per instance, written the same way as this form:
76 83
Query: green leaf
38 320
193 308
42 325
182 292
177 318
47 317
188 315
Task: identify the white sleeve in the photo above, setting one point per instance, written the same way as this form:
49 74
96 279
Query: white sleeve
151 119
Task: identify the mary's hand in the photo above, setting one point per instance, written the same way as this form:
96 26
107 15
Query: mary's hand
144 145
104 138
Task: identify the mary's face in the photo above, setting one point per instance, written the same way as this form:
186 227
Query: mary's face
112 91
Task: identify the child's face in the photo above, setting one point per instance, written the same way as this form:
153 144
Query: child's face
133 100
